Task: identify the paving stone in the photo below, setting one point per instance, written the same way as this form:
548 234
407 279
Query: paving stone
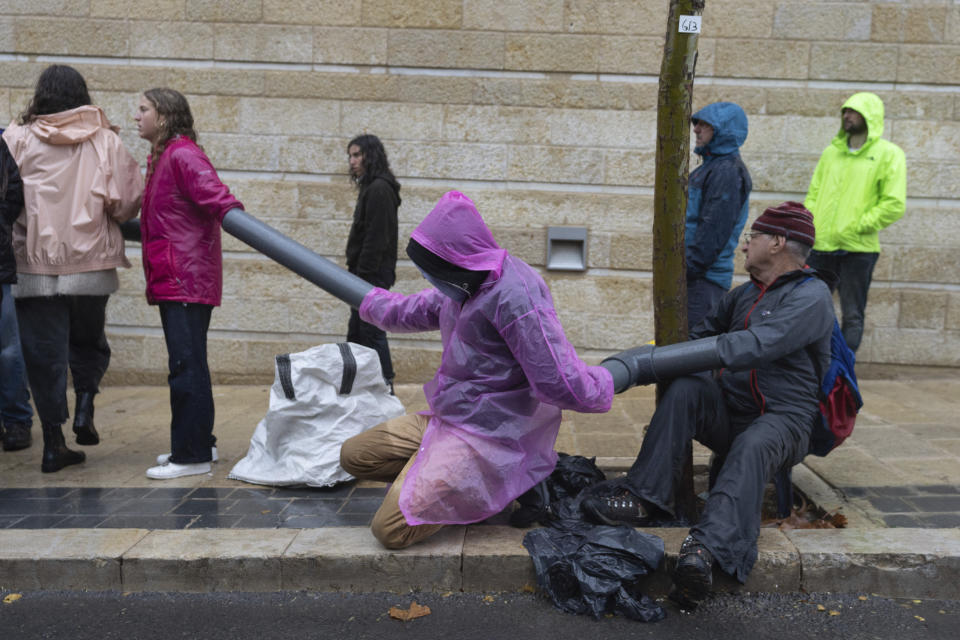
361 505
915 563
38 522
6 521
146 507
890 505
935 503
892 491
941 520
198 507
902 520
215 521
350 559
494 559
254 521
36 493
146 522
72 559
349 520
211 493
257 507
203 560
304 507
942 488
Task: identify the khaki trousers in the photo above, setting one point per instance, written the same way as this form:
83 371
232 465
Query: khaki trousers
386 453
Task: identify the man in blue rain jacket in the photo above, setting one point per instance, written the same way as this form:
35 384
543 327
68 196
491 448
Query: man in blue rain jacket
717 203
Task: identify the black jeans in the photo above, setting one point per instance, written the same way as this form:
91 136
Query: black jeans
368 335
57 333
191 392
750 448
855 271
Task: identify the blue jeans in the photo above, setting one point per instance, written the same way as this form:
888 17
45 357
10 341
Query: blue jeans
855 271
14 395
191 392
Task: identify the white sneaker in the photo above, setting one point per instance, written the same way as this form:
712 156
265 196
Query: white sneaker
174 470
164 458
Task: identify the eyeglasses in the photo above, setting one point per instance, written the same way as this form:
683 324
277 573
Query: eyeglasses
750 235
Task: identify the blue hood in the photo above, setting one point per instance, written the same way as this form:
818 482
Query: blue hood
729 124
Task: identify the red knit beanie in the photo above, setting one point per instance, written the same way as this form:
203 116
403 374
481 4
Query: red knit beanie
789 219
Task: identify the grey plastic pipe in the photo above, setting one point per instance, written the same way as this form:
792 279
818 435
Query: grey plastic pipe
327 275
648 364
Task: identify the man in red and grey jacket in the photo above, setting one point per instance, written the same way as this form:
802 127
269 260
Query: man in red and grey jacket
768 340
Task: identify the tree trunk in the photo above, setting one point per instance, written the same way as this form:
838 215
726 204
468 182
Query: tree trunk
670 199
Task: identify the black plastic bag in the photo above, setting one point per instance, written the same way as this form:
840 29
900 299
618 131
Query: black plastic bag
595 569
556 497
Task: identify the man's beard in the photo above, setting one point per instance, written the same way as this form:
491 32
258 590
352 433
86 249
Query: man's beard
854 128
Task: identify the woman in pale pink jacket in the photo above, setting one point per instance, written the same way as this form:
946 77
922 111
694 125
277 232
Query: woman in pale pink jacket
183 204
79 183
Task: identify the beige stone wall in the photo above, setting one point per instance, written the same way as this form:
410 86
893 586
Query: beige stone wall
543 111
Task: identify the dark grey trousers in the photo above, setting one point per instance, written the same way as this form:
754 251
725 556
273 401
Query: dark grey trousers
750 449
60 333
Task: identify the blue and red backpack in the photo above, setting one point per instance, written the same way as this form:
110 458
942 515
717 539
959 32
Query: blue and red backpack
840 399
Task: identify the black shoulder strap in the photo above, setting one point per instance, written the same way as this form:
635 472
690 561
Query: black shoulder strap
286 379
349 368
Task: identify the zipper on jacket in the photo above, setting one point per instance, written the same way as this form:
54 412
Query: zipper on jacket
754 380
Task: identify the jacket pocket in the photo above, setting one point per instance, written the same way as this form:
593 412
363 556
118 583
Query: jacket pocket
162 277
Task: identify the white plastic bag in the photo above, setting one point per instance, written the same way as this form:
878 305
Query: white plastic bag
320 397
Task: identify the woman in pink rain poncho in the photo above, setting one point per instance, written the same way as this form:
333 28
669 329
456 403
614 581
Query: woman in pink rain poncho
506 372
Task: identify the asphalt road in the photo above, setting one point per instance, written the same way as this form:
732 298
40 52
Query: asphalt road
458 616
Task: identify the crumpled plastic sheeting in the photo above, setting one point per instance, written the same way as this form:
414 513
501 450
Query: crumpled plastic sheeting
298 441
596 569
557 496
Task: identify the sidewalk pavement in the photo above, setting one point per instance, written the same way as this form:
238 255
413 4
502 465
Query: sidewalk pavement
103 525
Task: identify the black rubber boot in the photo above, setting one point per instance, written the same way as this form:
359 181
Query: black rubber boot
16 436
56 456
83 419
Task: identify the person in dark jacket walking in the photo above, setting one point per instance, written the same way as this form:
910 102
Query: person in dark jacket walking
16 415
183 204
372 244
756 413
717 203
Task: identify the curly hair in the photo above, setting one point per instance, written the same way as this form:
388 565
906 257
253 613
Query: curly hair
173 119
59 88
375 163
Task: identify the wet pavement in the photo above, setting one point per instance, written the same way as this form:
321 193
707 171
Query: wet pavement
104 525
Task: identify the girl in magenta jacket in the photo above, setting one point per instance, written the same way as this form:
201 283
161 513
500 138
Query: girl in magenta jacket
183 204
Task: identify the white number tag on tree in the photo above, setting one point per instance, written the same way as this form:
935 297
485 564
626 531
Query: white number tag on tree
690 24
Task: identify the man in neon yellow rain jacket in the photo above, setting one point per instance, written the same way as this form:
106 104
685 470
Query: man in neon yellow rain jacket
858 188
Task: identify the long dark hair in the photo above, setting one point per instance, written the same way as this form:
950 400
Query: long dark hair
375 163
173 119
59 88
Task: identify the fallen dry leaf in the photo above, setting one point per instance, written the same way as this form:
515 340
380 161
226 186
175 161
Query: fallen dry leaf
529 588
920 618
488 598
820 607
13 597
415 611
834 613
862 598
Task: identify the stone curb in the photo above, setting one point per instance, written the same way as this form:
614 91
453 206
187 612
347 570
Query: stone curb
889 562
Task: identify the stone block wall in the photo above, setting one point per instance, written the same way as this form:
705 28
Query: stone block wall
543 111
